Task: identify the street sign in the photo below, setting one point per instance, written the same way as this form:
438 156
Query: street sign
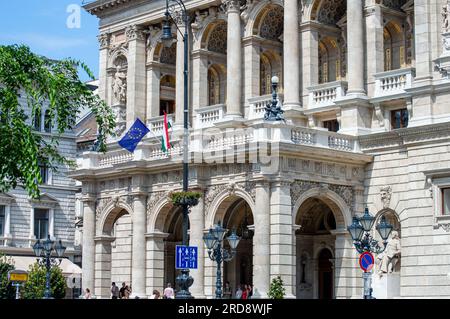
186 257
18 275
366 261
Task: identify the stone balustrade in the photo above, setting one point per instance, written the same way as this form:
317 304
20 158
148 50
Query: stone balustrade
326 94
156 124
325 139
258 105
207 116
393 83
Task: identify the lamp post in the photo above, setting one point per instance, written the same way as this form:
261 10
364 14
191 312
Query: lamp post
184 280
214 242
45 250
273 109
364 242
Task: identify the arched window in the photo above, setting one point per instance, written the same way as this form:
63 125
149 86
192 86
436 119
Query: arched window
213 87
394 47
329 60
167 94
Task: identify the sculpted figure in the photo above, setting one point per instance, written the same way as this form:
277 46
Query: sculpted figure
387 261
445 18
120 85
385 195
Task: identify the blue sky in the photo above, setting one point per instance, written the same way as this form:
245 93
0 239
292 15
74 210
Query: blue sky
43 26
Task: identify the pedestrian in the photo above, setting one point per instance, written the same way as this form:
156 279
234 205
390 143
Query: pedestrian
156 295
169 292
126 293
244 292
114 291
250 291
238 294
87 294
227 291
122 291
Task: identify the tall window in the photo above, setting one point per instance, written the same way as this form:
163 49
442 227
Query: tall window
445 201
265 76
331 125
399 118
47 122
43 169
166 106
37 121
213 87
40 223
2 220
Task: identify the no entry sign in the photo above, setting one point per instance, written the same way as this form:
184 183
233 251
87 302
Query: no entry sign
366 261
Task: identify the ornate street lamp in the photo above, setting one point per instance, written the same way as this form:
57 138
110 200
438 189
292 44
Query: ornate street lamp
45 250
273 109
364 242
184 280
214 242
245 232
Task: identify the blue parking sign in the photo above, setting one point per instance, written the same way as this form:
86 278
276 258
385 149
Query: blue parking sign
186 257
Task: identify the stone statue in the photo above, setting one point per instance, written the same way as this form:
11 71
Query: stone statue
120 86
389 258
385 195
445 18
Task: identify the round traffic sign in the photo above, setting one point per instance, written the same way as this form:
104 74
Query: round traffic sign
366 261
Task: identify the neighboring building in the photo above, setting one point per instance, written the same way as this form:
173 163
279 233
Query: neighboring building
365 91
23 220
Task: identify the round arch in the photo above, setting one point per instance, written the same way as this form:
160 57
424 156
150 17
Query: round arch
327 11
340 209
211 32
222 202
256 13
158 215
112 211
120 52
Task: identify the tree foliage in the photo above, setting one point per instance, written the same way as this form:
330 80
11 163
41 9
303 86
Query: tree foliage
6 289
30 85
35 286
276 290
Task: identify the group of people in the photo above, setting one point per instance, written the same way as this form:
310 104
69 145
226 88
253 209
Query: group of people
168 293
123 293
244 291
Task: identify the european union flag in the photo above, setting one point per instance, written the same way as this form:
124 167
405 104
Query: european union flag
134 136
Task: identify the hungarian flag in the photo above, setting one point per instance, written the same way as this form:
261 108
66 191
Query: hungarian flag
165 136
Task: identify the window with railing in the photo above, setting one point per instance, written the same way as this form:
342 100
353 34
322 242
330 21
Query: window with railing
445 201
399 119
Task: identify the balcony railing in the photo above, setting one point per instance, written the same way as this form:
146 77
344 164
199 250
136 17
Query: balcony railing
324 139
258 105
326 94
390 83
156 124
207 116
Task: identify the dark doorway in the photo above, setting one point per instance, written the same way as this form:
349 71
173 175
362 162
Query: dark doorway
325 275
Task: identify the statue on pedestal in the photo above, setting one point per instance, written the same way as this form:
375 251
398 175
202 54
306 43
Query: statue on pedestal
120 86
389 258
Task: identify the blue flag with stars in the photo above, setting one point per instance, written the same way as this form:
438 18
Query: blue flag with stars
134 135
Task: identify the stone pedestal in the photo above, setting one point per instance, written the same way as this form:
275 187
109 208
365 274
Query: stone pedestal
386 286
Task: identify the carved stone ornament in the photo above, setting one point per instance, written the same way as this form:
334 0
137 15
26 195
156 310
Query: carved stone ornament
345 192
445 18
103 202
299 187
134 32
445 227
246 9
104 40
385 196
231 5
154 198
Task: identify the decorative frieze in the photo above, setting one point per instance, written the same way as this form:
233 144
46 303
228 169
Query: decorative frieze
102 203
134 32
104 40
154 198
345 192
299 187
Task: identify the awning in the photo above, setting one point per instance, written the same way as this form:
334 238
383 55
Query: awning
69 269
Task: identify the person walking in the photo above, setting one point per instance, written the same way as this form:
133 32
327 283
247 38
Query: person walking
122 291
227 291
114 291
126 293
244 292
238 294
87 294
169 293
156 295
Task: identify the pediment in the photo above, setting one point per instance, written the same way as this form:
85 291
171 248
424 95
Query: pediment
6 199
46 200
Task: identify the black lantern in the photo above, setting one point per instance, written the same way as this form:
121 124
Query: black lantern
367 220
37 248
233 240
384 228
167 38
355 229
245 232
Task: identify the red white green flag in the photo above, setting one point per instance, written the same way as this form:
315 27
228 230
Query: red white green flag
165 136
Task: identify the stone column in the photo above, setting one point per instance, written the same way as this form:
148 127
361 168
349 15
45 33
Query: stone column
251 68
136 76
88 243
347 277
355 42
261 240
179 87
153 87
104 40
310 59
199 80
375 40
197 222
103 267
234 59
139 246
155 262
291 55
282 255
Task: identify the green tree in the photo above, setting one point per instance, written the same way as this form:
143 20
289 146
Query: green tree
35 286
6 289
276 290
32 82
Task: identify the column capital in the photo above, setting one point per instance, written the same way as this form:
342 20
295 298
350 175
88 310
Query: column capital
156 235
135 32
231 6
104 39
104 238
88 198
